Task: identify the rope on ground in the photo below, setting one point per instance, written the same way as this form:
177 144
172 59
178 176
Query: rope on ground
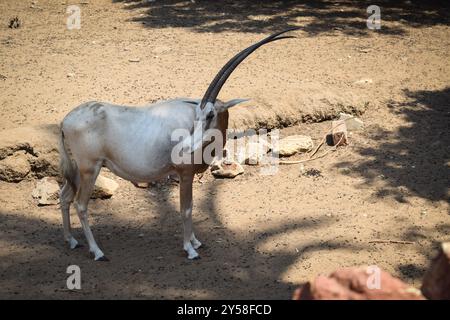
317 149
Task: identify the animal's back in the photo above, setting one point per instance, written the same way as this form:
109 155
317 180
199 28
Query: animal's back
134 142
94 115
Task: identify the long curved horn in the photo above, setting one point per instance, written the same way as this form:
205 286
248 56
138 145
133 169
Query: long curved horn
219 80
228 64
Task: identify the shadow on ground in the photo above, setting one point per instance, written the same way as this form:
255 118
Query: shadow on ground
153 266
415 234
267 16
413 160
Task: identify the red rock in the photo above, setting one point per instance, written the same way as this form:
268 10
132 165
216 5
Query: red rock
358 283
436 282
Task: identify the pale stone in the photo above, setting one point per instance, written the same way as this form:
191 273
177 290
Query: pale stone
352 122
226 169
46 191
294 144
104 188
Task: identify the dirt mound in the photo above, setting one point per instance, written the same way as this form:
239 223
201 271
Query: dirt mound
28 152
298 103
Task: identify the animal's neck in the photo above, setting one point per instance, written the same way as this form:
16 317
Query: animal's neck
222 121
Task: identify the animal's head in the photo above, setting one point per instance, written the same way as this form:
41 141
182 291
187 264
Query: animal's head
209 116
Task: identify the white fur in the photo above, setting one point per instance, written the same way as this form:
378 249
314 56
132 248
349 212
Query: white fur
135 144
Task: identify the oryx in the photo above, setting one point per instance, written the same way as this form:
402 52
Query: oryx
135 143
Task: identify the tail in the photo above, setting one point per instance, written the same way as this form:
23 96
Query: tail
68 167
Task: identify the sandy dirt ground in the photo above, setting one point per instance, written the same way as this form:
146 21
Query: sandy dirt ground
263 235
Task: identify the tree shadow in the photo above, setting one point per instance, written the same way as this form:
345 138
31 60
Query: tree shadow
153 266
264 16
418 235
414 160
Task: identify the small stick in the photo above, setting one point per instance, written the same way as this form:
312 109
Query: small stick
391 241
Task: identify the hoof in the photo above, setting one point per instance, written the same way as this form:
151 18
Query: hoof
102 258
196 244
73 244
191 253
194 257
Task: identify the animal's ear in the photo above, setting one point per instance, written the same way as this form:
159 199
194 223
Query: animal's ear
233 102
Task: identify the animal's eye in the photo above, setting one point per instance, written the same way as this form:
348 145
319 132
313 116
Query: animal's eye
210 115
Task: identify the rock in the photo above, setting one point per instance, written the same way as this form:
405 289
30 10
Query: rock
104 188
40 145
226 169
356 283
339 133
45 165
141 185
134 60
302 169
46 191
248 152
14 23
236 150
256 152
253 153
365 50
364 81
216 163
351 122
14 168
293 144
436 282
